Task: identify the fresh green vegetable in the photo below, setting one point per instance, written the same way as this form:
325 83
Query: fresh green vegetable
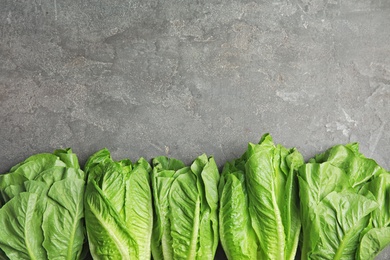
186 202
237 235
340 200
376 236
344 205
42 212
259 214
358 168
118 207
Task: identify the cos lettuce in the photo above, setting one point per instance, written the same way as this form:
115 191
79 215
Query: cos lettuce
186 202
118 207
259 214
343 205
42 212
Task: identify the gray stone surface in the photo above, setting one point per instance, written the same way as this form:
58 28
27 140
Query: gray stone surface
146 78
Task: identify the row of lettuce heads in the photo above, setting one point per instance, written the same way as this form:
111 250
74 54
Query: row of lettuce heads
263 206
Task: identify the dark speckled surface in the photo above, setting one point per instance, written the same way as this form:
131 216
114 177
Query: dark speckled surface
146 78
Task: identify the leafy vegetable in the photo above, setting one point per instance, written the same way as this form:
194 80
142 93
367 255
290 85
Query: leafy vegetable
42 213
344 205
259 214
376 236
340 200
374 241
118 207
358 168
237 235
186 202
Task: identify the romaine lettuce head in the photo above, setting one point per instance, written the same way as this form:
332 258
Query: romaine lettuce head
344 205
259 214
42 212
236 233
118 207
186 202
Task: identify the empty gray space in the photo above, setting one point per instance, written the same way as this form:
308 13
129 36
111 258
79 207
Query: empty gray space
179 78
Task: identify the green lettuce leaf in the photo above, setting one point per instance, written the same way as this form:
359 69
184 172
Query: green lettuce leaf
344 205
30 169
237 236
139 207
186 204
206 170
264 196
266 184
163 173
316 181
373 242
348 158
184 215
376 236
61 217
20 221
108 236
338 221
43 208
118 207
379 187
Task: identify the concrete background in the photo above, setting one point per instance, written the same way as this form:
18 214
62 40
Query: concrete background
147 78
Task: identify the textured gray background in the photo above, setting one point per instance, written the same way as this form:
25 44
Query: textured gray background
146 78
